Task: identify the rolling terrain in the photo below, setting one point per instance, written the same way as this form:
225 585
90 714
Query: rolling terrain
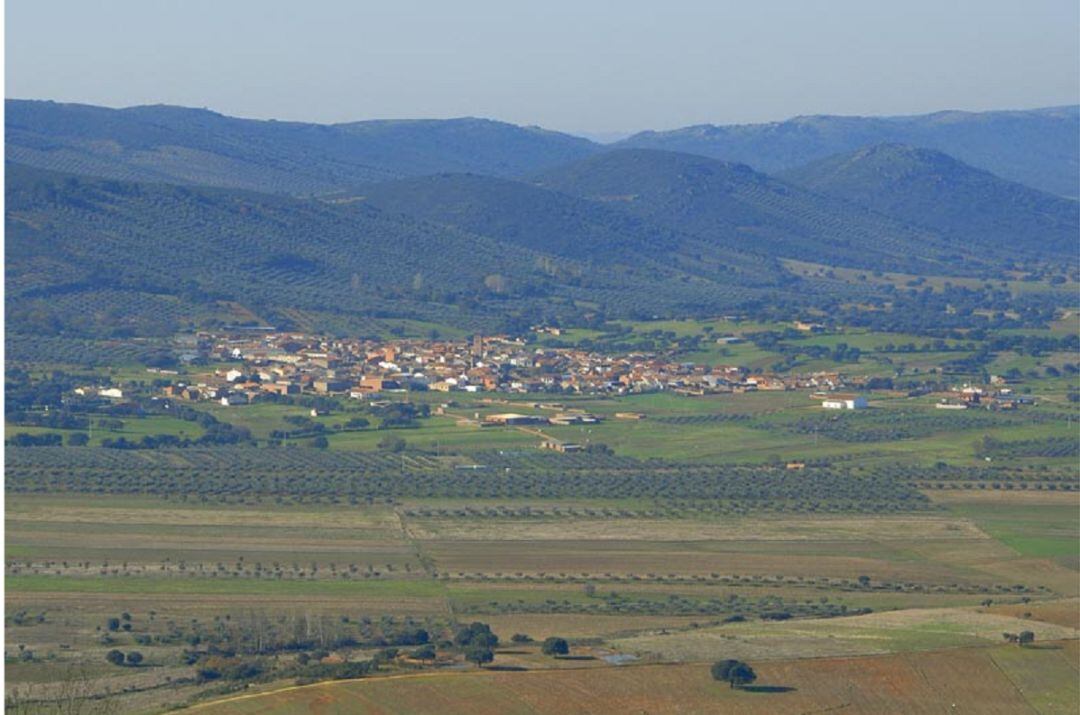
103 257
927 188
196 146
734 207
1037 147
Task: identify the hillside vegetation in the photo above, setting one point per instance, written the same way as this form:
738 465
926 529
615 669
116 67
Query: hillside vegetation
736 208
568 226
102 257
927 188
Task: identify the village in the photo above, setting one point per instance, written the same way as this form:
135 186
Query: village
247 366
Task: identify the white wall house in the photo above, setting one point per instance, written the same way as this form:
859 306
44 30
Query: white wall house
852 403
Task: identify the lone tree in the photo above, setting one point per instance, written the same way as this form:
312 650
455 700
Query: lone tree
134 658
555 646
479 654
733 672
115 657
1025 637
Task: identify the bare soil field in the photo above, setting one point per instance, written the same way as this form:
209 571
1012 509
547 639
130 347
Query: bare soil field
960 681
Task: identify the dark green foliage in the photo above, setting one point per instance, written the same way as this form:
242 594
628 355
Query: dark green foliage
323 474
1038 147
476 634
115 657
733 672
479 654
555 646
1019 449
927 188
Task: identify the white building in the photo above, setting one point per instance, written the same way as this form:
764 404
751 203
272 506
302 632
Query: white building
845 403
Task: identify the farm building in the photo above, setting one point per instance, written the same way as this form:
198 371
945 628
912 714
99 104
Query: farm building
560 446
845 403
513 418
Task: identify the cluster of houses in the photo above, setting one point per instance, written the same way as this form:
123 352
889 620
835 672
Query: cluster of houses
996 396
289 363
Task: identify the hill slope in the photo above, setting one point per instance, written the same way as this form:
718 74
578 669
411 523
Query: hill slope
101 257
1039 147
732 206
197 146
521 214
931 189
552 222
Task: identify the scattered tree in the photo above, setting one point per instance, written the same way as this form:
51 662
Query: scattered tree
479 654
733 672
555 646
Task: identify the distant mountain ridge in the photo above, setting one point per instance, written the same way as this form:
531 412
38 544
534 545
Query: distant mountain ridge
1038 147
197 146
933 190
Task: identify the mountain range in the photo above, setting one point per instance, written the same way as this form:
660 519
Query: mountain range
1038 147
197 146
153 219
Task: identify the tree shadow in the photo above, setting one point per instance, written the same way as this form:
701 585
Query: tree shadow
575 657
513 668
766 688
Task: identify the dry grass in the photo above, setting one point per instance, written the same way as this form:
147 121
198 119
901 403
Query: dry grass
877 633
1003 496
794 528
955 681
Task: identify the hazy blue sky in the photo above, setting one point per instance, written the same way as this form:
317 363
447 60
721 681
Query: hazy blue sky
577 66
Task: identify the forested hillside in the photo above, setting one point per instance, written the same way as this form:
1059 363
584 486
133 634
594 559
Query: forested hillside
1038 147
102 257
197 146
552 222
733 206
927 188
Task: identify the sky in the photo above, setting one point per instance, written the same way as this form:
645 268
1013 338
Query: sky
594 67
